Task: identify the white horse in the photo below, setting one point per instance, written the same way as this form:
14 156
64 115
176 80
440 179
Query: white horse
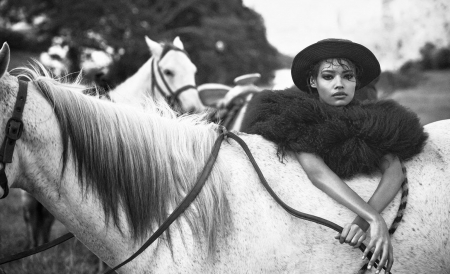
169 75
111 174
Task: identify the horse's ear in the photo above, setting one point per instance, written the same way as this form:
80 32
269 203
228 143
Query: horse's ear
155 48
4 59
177 43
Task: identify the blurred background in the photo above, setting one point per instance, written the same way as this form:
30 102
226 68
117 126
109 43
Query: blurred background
224 39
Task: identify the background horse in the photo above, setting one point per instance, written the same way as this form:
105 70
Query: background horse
168 75
111 174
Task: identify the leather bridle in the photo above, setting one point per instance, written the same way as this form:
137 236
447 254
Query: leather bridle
173 97
14 129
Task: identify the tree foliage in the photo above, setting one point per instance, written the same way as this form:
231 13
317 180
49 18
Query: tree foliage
224 38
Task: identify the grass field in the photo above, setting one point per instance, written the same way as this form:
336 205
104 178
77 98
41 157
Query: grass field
430 99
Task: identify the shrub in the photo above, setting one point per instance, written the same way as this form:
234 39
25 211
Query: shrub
441 59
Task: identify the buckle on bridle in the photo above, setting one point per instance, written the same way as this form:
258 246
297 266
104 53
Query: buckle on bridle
14 129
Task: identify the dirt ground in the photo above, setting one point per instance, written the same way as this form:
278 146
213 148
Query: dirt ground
430 99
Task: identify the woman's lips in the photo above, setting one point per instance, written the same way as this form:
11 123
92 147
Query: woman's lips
339 94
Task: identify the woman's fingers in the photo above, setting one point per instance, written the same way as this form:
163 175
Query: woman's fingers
390 260
384 258
360 237
351 234
376 253
343 235
367 250
385 254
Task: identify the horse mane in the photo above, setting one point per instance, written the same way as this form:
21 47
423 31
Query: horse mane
138 161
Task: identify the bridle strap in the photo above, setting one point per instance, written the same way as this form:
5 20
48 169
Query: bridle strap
14 129
173 97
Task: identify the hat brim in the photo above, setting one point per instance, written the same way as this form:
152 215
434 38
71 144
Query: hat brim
324 50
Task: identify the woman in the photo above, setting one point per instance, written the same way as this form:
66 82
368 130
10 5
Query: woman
335 137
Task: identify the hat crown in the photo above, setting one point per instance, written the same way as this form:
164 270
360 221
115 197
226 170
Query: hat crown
335 40
334 48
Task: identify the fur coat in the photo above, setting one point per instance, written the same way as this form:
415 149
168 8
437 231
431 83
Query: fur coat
350 139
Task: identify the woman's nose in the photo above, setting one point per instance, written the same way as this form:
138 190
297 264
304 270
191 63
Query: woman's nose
338 82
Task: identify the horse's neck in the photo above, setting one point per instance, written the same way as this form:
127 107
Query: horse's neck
37 169
137 86
82 214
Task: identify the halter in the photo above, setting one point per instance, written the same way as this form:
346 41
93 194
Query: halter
14 129
173 98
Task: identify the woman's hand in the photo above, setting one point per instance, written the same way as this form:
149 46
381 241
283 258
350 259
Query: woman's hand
351 234
380 243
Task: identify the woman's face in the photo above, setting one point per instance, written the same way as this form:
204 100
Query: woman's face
336 83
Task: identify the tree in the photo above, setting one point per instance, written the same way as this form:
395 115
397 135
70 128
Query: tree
224 38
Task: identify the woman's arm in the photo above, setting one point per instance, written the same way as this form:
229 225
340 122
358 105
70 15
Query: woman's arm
390 183
327 181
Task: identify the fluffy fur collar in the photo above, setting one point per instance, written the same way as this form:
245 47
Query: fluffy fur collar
350 139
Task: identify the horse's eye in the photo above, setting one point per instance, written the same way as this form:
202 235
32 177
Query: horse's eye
168 72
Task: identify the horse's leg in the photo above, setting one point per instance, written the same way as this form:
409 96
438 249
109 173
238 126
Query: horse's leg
29 205
46 222
29 230
101 266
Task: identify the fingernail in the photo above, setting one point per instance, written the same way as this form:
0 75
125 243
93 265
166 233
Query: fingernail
369 266
378 271
363 257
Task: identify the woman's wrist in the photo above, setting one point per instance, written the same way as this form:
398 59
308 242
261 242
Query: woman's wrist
374 219
363 224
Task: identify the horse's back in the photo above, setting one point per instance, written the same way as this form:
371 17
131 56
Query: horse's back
279 242
263 238
290 243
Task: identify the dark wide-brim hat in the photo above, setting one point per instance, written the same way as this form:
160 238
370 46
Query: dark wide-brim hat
334 48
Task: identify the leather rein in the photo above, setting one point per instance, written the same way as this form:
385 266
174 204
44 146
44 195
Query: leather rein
14 130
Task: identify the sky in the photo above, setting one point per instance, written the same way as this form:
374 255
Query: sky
394 30
292 25
295 24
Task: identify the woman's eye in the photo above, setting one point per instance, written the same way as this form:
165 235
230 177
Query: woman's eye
327 77
349 76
